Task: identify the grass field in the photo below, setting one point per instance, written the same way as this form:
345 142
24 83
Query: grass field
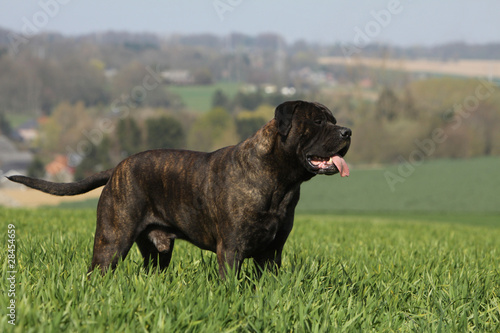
435 186
361 258
351 272
199 98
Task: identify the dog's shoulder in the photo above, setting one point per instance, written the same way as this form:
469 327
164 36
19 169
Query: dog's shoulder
263 142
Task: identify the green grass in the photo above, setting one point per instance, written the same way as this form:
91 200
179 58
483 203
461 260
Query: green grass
435 186
357 272
199 98
16 120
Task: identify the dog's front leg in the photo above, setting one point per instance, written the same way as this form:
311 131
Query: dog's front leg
269 260
228 260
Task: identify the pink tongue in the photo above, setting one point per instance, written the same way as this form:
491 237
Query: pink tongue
341 165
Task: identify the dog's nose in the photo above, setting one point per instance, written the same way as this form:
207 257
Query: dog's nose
345 132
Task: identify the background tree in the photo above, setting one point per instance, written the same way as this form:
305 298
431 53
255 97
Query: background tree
65 127
15 94
249 122
203 77
248 101
247 126
214 129
126 79
164 132
36 169
83 81
5 128
388 105
220 99
97 160
129 137
409 108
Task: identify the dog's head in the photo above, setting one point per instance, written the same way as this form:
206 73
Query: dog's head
311 131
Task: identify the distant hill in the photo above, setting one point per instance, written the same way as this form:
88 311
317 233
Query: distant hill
449 51
445 52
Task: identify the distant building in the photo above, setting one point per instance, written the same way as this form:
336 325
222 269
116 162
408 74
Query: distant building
313 77
58 170
179 77
110 73
366 83
12 161
28 131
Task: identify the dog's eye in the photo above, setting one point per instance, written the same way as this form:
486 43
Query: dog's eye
318 121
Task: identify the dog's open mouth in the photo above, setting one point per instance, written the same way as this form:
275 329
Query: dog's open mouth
329 164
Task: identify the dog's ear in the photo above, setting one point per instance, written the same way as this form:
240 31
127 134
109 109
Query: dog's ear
283 114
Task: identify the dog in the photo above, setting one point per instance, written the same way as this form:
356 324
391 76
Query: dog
238 201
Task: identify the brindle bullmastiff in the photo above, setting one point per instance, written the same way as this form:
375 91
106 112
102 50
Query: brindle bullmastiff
238 201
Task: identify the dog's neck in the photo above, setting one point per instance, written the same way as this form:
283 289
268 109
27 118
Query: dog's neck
268 144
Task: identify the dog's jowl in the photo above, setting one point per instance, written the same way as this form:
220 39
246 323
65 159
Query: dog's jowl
238 201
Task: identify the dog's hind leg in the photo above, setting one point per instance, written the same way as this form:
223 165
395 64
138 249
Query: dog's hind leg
115 234
109 247
156 247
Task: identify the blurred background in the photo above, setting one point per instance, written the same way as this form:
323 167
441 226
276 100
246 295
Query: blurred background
83 85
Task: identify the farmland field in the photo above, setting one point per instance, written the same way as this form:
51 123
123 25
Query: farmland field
464 67
350 272
199 98
435 186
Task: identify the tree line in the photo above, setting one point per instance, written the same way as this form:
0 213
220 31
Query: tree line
433 118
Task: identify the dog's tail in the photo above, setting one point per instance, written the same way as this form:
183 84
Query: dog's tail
61 189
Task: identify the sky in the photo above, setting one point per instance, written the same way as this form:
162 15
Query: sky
397 22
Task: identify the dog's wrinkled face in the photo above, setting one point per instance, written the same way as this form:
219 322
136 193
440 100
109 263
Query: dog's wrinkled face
310 128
